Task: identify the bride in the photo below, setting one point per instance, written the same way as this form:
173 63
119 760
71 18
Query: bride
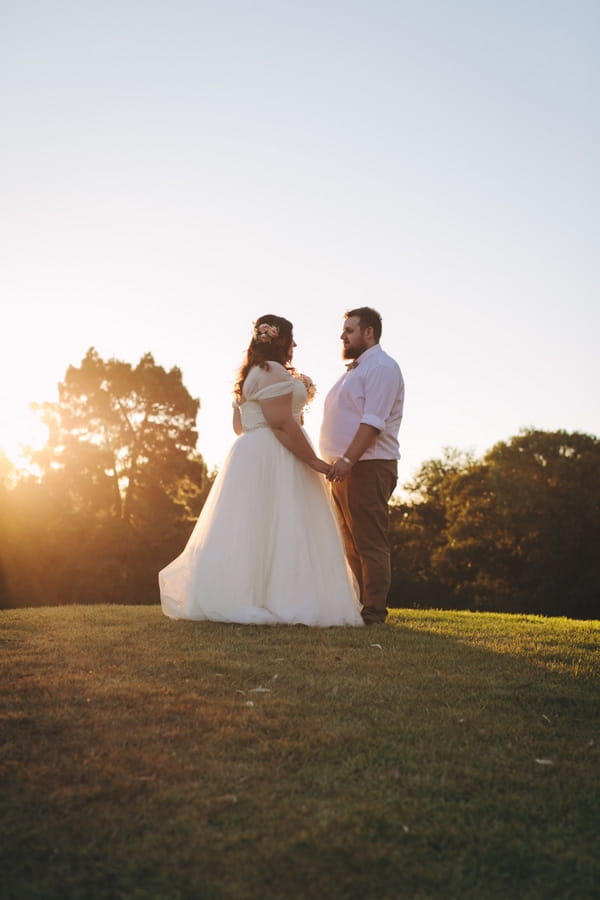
266 549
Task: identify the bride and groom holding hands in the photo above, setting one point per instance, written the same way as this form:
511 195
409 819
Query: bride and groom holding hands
276 542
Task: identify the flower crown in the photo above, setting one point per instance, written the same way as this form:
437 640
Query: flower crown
265 333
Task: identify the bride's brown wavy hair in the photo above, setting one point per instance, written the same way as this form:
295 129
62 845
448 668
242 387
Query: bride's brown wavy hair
260 353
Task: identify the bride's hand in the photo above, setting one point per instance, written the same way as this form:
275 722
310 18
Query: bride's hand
320 466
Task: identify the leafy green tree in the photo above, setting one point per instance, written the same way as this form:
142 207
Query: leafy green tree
517 531
418 531
547 489
119 433
120 488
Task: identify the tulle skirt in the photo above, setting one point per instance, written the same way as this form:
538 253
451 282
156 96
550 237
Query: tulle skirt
266 549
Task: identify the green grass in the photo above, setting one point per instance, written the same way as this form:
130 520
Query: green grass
443 755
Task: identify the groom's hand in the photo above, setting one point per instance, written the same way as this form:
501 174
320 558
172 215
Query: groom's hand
339 470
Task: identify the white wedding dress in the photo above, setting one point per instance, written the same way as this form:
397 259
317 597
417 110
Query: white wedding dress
266 549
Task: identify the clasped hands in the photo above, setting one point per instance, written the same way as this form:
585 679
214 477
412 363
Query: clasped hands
338 470
335 471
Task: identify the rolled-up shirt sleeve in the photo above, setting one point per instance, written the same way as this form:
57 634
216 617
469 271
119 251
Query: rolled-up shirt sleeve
381 390
371 393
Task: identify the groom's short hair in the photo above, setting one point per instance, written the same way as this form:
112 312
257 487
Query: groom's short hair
366 317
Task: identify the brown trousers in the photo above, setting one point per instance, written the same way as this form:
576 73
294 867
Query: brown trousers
362 506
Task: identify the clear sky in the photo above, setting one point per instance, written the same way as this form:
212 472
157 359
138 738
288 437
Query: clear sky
169 171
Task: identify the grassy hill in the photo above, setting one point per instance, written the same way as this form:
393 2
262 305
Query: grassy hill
442 755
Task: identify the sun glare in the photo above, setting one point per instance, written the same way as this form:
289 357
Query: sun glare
20 434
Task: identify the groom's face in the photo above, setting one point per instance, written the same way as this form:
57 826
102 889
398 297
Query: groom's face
352 339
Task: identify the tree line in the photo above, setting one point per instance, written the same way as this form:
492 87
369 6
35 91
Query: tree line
516 531
120 484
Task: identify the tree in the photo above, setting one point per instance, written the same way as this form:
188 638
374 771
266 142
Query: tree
119 433
517 531
418 531
120 487
547 488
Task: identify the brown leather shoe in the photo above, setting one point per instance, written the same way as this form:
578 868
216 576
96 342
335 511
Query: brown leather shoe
372 616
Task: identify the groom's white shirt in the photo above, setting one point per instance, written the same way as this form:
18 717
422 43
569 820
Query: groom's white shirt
371 392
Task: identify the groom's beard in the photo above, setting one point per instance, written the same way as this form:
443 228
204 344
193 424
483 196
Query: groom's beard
352 352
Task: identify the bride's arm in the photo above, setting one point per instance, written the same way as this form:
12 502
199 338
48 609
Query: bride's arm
278 414
237 420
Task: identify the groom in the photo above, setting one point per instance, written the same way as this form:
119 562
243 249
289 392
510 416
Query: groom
359 435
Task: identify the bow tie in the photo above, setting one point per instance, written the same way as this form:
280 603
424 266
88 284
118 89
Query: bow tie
352 365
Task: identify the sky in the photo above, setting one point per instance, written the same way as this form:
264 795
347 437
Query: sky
170 171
